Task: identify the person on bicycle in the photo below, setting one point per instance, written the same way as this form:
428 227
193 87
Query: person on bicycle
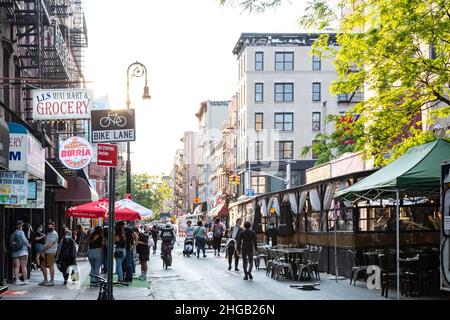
167 237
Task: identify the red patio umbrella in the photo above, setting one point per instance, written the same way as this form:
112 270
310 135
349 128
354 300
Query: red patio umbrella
99 209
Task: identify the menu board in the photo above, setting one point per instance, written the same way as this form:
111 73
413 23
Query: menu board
13 188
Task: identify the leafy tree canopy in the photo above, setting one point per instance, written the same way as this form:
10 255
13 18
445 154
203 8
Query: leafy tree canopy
149 191
398 52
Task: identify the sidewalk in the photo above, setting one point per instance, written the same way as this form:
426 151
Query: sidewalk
80 290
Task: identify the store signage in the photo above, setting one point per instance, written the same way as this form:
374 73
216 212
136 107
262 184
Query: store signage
39 201
13 188
4 145
249 192
107 155
26 154
76 153
62 104
113 125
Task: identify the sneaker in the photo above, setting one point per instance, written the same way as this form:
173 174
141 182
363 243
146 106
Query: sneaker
204 256
245 278
229 268
236 269
19 283
218 254
26 282
250 276
65 282
43 283
50 284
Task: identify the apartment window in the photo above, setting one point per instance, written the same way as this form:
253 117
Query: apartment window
316 62
284 149
258 150
316 121
259 61
259 120
316 91
284 61
284 121
259 92
284 92
259 184
343 97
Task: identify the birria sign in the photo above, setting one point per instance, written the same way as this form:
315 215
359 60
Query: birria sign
76 153
62 104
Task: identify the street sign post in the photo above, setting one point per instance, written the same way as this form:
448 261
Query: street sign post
107 155
113 125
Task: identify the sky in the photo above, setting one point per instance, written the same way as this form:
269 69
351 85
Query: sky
186 46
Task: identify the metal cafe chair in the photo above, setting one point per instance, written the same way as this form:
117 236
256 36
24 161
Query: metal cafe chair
357 267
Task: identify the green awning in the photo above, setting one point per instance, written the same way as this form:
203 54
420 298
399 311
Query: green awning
419 169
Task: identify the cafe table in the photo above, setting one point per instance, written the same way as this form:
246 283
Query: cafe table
292 256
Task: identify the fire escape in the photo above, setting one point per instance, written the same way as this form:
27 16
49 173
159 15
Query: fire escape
51 36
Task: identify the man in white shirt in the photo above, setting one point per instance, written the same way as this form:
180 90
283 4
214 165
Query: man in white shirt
235 231
50 249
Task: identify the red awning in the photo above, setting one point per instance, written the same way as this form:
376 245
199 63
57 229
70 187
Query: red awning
99 209
219 211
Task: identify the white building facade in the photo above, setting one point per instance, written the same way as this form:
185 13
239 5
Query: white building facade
283 100
211 116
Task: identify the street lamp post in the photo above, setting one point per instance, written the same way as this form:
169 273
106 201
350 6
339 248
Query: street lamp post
135 70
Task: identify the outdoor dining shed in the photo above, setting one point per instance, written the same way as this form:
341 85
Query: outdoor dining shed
412 178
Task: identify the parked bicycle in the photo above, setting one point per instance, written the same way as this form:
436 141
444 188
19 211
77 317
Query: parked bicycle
103 292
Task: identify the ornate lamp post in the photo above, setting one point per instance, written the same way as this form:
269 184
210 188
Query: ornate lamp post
135 70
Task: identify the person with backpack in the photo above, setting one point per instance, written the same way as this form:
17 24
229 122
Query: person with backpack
66 254
19 253
217 236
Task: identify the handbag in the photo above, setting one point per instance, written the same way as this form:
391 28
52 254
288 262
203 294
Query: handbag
118 254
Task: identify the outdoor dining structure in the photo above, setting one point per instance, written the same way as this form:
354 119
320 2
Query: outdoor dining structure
359 217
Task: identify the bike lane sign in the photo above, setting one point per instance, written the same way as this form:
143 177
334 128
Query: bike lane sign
113 125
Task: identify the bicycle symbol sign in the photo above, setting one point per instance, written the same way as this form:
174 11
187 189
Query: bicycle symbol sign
113 118
113 125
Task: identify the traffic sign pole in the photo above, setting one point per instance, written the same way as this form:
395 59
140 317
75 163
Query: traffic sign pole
112 182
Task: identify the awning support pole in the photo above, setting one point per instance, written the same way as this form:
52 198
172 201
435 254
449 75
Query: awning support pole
397 207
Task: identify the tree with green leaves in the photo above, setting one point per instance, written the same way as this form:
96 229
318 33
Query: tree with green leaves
149 191
398 53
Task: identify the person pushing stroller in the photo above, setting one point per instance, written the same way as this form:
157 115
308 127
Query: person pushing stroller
189 241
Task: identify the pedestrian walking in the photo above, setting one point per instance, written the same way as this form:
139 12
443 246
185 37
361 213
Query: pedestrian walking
19 253
82 241
95 252
66 254
232 245
217 231
143 249
105 251
120 251
200 238
154 232
39 243
50 250
247 245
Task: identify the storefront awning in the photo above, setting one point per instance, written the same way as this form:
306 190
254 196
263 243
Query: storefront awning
220 211
417 170
53 180
78 190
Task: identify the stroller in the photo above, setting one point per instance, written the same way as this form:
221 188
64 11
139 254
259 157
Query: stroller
188 247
